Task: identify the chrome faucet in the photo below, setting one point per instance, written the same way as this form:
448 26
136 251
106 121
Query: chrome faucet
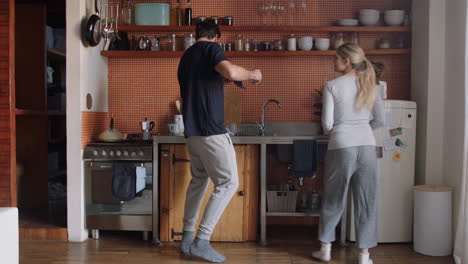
262 124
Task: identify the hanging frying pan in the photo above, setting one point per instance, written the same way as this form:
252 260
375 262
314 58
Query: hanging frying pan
93 27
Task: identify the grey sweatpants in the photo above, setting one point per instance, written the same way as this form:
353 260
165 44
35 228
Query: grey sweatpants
355 166
214 158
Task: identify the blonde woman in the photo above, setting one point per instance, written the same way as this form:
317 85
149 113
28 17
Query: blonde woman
351 110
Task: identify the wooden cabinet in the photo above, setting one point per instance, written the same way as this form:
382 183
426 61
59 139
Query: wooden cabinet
238 222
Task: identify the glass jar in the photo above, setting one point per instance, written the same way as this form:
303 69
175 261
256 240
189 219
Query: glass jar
228 47
266 46
238 43
278 45
246 45
215 20
339 40
200 19
292 42
254 45
228 21
189 40
172 42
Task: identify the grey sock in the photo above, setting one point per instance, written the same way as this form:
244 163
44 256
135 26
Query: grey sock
202 249
187 240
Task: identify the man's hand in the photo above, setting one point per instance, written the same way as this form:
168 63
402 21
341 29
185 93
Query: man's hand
256 76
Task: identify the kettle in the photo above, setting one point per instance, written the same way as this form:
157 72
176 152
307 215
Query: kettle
111 134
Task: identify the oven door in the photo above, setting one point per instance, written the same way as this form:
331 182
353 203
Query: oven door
105 212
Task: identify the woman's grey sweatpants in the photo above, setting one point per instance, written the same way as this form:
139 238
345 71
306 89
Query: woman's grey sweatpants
355 166
214 158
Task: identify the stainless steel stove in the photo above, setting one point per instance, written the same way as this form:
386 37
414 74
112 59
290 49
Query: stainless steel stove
103 210
139 150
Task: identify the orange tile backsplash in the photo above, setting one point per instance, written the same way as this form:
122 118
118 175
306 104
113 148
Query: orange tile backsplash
93 123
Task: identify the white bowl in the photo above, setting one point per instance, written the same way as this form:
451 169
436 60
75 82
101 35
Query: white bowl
305 43
372 12
347 22
322 43
394 17
368 20
395 12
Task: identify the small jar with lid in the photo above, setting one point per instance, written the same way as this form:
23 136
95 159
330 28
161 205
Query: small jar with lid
339 40
215 20
228 21
255 45
278 45
266 46
199 19
238 43
246 45
172 42
292 42
228 46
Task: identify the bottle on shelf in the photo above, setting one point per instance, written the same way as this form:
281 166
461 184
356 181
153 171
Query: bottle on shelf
179 15
127 13
188 14
292 42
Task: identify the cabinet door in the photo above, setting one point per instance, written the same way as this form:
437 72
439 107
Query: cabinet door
230 225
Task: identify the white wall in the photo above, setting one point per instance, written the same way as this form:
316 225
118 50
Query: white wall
86 73
427 88
455 97
439 87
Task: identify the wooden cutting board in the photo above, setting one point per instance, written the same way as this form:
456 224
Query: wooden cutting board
232 107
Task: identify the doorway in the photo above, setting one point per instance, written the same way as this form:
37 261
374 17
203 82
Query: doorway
40 59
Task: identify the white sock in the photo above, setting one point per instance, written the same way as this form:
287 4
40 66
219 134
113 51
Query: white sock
324 253
364 258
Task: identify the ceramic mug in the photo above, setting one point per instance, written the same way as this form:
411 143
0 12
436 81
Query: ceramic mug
175 129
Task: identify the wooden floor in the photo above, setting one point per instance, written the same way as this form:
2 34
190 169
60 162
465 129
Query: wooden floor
44 224
286 246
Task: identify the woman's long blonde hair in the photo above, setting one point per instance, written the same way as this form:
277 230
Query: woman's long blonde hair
364 71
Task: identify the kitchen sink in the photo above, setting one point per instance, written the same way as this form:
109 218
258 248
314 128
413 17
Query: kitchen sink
277 129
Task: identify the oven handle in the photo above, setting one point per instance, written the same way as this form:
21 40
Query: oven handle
92 165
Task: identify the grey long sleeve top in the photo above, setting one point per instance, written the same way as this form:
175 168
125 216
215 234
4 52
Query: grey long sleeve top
347 125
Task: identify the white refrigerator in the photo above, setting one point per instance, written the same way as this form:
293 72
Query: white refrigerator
397 140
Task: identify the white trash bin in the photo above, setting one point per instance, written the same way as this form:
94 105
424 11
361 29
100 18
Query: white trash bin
433 220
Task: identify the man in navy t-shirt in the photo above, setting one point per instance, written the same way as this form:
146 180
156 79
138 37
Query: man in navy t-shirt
202 71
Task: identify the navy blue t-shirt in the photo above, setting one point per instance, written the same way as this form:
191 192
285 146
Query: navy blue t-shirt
202 89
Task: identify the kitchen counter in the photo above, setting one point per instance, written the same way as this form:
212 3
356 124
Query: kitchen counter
263 141
282 139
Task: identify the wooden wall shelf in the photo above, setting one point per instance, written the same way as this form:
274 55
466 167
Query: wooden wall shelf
267 28
178 54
